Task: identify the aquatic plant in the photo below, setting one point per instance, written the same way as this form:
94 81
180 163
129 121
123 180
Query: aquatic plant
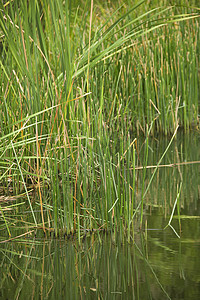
76 90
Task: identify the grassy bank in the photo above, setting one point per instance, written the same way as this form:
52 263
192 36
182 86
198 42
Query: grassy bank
78 85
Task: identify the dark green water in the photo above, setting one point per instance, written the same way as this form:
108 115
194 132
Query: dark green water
159 267
156 264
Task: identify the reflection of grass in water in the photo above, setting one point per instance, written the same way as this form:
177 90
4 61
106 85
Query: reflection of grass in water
105 263
56 267
73 88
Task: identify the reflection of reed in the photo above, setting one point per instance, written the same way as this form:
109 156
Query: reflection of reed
104 266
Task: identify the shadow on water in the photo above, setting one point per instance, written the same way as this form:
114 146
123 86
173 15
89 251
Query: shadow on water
156 264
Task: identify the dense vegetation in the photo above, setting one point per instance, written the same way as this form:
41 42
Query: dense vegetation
79 84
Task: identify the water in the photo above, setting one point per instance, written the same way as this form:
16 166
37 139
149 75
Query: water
156 264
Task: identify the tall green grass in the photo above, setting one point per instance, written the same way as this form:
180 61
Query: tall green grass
77 86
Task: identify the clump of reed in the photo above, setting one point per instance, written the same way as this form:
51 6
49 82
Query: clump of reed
77 86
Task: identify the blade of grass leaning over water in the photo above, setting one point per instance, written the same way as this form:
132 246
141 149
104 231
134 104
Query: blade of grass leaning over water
154 172
172 214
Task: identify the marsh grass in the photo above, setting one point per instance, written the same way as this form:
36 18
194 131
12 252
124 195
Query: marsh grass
77 86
